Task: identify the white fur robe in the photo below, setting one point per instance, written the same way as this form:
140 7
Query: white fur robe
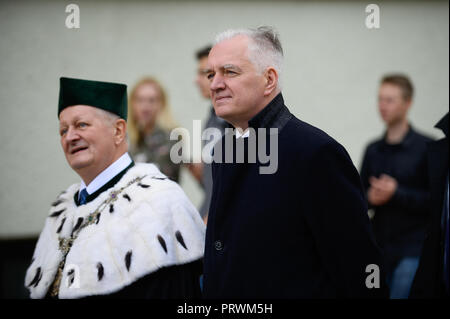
156 226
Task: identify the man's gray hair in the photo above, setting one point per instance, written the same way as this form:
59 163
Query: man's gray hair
264 49
110 118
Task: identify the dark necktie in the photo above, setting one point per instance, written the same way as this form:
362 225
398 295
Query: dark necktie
82 196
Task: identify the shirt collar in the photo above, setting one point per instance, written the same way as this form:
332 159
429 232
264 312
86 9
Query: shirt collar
104 177
245 133
407 139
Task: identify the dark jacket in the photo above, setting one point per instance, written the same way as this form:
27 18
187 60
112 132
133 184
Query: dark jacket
428 282
400 224
302 232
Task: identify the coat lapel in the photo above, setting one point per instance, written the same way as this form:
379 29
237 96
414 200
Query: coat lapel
226 182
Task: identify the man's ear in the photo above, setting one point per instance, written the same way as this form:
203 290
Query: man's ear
271 76
408 104
120 131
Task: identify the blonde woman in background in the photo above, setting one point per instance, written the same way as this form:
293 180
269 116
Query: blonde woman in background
149 126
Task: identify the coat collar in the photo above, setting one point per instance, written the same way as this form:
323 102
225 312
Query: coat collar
443 124
274 115
228 175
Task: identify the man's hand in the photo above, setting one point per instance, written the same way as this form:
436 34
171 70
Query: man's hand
381 189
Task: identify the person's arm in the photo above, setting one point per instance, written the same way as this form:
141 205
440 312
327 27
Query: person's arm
386 190
411 200
337 215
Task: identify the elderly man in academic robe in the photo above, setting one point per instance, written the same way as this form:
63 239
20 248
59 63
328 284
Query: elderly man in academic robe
124 231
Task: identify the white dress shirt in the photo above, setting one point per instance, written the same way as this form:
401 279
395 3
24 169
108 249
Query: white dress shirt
246 133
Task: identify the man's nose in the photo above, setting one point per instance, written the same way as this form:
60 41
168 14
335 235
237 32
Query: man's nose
71 135
217 83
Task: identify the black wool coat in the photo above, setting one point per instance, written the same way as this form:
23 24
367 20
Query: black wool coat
302 232
428 282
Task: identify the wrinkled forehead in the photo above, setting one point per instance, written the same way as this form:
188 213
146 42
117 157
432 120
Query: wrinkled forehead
75 112
232 51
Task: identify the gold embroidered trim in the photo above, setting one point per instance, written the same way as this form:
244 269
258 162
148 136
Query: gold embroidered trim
66 243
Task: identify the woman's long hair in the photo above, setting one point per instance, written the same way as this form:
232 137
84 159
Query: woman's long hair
164 118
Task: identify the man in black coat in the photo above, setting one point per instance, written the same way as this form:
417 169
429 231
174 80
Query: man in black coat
431 280
297 227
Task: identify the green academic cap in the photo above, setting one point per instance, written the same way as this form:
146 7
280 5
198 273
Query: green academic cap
107 96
